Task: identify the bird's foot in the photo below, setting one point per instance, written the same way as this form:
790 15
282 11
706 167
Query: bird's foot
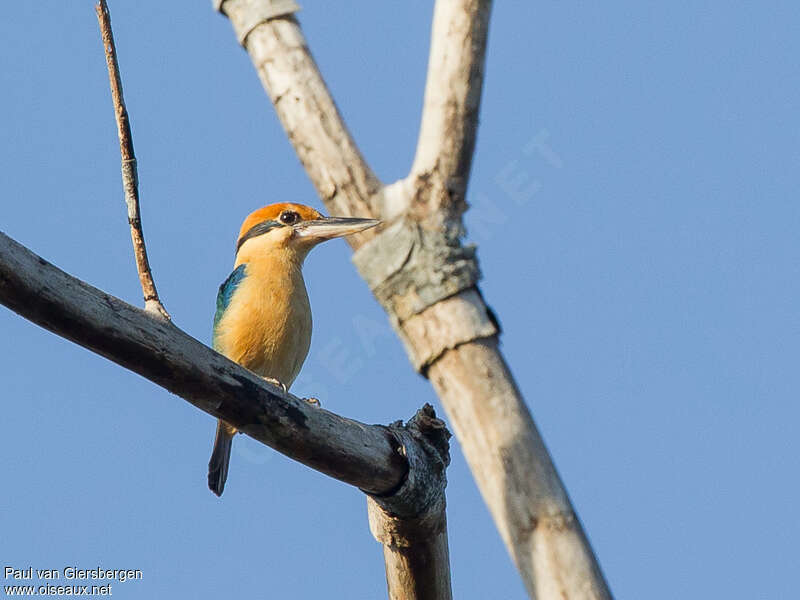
277 382
313 402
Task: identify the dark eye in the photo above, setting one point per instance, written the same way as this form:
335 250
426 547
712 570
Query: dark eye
288 217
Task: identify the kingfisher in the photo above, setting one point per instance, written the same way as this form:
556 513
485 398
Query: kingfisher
263 317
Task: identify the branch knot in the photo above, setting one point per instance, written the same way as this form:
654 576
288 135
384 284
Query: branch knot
424 442
410 269
416 508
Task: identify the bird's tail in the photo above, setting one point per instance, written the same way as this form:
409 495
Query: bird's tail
220 457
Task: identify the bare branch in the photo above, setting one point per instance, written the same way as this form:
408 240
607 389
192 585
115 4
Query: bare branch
515 473
130 180
362 455
452 101
415 553
415 546
278 49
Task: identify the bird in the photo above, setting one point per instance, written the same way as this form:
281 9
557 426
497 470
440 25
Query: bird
263 315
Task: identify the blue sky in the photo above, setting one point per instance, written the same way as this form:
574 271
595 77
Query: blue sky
635 200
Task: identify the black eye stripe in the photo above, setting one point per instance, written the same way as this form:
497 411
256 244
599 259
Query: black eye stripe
256 230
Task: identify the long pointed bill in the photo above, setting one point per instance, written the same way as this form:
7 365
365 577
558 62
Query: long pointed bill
328 228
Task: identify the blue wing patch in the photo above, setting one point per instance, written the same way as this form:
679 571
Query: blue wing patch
224 296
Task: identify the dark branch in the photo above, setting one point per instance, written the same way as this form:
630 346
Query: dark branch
362 455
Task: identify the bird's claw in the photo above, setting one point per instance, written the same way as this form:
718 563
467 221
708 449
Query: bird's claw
277 382
313 402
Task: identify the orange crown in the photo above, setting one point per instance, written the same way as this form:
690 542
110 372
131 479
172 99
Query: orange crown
271 212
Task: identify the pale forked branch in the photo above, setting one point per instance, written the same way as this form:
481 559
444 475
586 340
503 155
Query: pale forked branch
130 178
455 337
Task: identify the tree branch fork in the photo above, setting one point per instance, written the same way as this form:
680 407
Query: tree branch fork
450 334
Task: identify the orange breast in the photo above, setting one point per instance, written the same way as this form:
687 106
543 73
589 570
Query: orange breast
267 326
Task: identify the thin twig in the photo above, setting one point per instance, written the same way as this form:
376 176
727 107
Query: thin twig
130 180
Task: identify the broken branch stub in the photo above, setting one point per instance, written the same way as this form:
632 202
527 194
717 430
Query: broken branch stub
411 523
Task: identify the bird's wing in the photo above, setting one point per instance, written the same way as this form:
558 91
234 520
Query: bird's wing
224 296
